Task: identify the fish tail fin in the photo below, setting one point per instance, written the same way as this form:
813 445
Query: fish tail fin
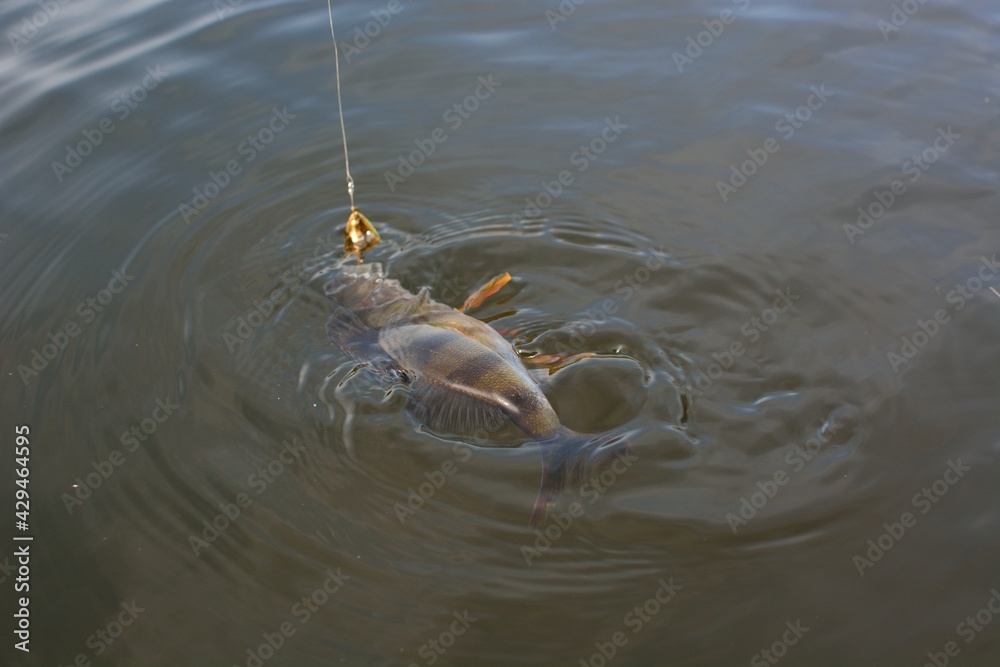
552 484
564 458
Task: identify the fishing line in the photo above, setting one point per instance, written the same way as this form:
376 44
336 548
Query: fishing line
340 107
359 234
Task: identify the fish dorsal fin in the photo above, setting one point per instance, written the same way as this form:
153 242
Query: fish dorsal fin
449 410
416 304
402 308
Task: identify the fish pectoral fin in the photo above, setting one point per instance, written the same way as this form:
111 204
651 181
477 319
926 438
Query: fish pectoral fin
448 410
555 362
485 292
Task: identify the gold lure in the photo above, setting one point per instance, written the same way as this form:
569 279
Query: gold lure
360 233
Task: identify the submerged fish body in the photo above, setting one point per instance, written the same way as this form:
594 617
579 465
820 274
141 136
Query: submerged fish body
464 376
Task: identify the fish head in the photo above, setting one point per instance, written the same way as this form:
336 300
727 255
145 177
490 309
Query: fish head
353 285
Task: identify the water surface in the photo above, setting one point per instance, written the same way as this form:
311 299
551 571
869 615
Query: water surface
774 222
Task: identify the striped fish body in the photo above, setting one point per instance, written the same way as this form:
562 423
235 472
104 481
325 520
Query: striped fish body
463 375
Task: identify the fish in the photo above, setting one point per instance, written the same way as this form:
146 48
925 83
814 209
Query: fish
462 374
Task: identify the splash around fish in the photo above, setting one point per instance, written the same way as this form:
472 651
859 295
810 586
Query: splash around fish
463 376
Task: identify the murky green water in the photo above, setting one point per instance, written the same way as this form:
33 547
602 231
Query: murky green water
776 223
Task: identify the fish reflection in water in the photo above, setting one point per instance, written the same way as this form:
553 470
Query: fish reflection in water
462 375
